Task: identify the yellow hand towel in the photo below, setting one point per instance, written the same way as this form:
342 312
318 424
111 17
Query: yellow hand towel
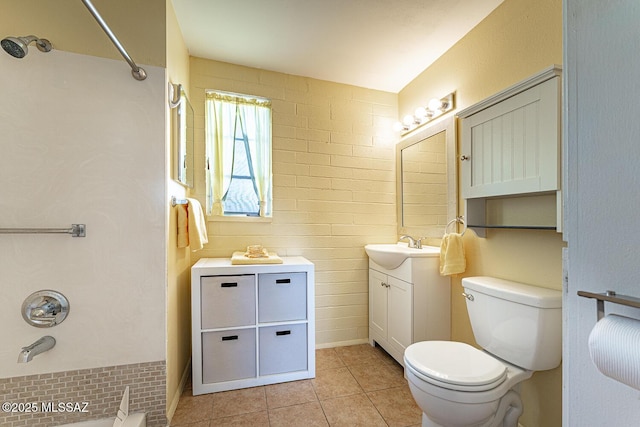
197 226
452 260
241 259
183 226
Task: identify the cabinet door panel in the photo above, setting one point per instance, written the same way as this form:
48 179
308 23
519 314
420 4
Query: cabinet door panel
378 302
400 313
513 145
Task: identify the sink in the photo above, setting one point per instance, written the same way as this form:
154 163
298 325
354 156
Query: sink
390 255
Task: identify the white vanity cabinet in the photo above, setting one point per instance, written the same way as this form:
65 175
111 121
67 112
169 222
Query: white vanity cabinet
251 324
408 304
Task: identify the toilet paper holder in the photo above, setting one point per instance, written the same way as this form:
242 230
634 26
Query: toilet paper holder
610 296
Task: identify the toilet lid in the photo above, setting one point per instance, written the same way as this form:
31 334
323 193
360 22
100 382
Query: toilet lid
455 363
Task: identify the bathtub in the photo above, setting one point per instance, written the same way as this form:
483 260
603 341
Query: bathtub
133 420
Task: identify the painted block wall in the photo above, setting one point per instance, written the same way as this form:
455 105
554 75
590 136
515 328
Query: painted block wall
334 184
83 142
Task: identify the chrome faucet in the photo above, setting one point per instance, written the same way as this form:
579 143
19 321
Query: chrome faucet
43 344
413 243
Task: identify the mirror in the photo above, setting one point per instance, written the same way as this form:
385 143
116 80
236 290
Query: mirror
427 180
183 136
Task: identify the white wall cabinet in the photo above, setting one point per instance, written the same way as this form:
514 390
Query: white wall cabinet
251 324
510 144
408 304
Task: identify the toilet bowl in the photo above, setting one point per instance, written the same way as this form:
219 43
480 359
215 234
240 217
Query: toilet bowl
458 385
467 389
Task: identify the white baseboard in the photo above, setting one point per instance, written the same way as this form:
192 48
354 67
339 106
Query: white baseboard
342 343
176 397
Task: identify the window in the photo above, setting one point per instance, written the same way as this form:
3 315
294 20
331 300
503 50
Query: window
238 149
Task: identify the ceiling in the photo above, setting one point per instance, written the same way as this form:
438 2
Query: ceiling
377 44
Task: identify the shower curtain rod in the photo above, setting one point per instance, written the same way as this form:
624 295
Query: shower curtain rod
137 72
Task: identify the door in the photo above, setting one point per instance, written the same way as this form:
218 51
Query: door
601 182
378 303
512 146
400 314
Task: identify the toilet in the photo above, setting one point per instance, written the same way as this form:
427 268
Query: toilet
519 328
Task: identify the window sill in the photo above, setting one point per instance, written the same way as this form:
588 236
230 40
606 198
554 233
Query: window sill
217 218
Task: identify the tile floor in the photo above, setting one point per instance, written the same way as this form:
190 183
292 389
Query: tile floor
354 386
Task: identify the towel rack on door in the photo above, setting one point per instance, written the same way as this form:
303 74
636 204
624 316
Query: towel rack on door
457 220
175 202
76 230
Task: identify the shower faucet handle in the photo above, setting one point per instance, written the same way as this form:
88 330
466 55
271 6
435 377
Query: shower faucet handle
45 309
49 308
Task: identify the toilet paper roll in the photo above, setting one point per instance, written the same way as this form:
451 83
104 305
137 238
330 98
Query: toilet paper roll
614 346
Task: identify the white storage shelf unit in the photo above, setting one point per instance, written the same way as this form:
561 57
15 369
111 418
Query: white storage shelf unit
251 324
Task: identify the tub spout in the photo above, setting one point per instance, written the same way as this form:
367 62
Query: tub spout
43 344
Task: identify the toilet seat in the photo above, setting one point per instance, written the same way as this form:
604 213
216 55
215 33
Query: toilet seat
455 365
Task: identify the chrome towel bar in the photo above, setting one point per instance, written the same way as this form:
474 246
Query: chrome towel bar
456 220
175 202
76 230
610 296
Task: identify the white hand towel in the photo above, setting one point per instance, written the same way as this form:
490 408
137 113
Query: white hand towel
197 226
452 260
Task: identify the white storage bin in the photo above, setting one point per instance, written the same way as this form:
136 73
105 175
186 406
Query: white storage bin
283 348
228 301
282 297
228 355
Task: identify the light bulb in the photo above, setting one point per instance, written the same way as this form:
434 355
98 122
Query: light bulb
421 112
408 120
434 105
398 127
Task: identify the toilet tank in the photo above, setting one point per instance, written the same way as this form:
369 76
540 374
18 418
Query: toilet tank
521 324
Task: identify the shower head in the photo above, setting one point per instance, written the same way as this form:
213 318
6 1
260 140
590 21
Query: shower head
17 46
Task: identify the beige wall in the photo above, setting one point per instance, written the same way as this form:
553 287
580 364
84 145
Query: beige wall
178 260
334 184
68 25
517 40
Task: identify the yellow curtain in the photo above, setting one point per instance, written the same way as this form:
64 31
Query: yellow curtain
258 118
219 149
221 110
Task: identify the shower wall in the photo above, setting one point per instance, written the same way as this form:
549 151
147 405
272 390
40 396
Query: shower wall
83 142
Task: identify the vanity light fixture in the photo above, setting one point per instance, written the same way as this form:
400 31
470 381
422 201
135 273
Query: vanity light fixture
435 108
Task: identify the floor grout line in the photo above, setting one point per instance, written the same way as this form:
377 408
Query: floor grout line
356 356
